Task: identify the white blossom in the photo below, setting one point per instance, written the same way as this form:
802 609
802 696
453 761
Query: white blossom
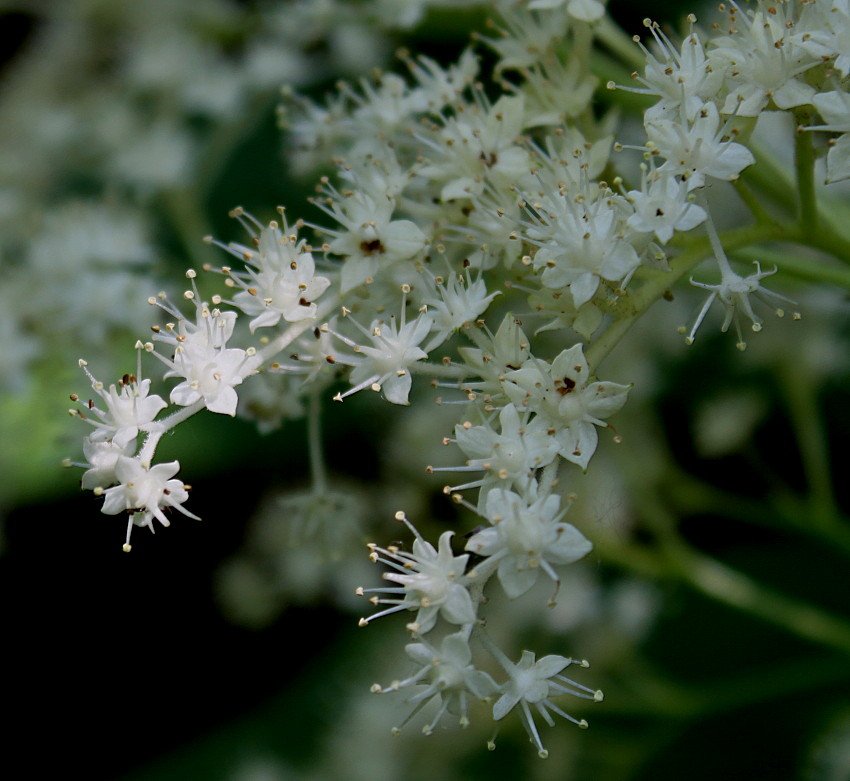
461 300
210 370
476 145
370 239
563 394
581 242
510 456
532 683
448 675
698 147
146 491
662 207
128 410
525 538
734 291
764 61
102 458
685 77
385 364
834 107
431 581
280 281
824 32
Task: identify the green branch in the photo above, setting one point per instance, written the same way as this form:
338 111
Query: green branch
724 584
800 264
636 302
804 167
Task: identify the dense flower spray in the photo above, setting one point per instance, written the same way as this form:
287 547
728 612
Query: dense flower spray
493 237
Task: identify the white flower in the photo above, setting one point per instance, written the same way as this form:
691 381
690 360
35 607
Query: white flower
529 36
128 410
510 457
385 365
838 159
698 147
102 458
662 207
824 32
497 353
581 242
734 293
687 77
586 10
439 86
280 280
448 676
764 61
371 239
532 682
476 145
209 368
461 301
834 107
430 580
563 395
146 491
210 375
526 538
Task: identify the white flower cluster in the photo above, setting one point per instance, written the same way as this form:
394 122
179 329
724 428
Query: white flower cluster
439 585
93 212
453 209
787 56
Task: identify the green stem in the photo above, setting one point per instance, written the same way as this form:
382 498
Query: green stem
804 166
828 240
157 429
773 181
730 587
770 179
619 43
183 205
629 556
788 512
724 584
633 305
798 265
752 200
812 444
318 472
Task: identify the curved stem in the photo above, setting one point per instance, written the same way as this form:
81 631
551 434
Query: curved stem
794 263
770 178
727 585
160 427
752 200
813 447
633 305
773 181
